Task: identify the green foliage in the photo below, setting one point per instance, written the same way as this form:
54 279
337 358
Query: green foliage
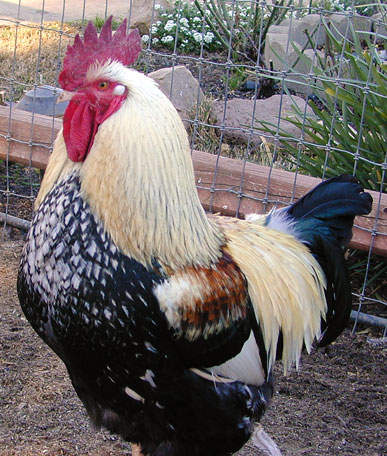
183 27
241 27
376 282
237 27
347 132
361 6
358 6
238 76
99 21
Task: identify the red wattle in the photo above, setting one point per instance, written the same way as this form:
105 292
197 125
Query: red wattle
79 129
81 121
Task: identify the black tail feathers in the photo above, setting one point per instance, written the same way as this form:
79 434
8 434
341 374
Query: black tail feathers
336 202
324 220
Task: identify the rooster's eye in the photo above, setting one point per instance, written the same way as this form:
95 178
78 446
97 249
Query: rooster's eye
103 85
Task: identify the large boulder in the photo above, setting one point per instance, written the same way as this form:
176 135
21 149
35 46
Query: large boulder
341 25
179 85
242 121
142 13
299 30
294 70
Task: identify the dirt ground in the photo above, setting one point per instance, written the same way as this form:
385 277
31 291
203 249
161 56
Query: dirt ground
334 405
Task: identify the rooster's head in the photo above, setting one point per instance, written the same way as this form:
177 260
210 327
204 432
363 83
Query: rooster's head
94 96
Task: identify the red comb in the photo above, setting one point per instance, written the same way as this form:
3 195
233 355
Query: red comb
120 46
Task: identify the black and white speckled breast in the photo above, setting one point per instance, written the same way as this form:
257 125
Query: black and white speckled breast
73 280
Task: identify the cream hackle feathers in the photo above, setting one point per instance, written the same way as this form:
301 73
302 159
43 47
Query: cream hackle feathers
138 178
285 283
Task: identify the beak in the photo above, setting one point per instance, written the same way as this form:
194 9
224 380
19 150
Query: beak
65 96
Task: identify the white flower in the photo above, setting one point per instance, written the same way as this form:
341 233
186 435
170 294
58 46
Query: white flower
196 19
208 37
145 38
154 29
157 6
184 21
169 25
167 39
197 37
155 40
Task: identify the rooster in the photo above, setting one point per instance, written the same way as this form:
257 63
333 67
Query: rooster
169 320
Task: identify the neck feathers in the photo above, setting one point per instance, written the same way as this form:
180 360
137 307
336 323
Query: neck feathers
138 179
59 166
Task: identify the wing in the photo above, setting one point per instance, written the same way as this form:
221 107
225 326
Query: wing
208 311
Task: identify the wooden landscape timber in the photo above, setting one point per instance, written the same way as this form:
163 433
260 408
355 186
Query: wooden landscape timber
225 185
27 138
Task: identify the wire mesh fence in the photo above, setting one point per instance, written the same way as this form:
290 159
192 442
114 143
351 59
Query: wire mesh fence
288 88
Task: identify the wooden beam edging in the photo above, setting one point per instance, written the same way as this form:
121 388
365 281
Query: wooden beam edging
30 137
31 143
225 199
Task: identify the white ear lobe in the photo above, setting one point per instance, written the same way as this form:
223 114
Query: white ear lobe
118 90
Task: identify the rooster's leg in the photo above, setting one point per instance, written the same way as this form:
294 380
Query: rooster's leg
136 450
264 443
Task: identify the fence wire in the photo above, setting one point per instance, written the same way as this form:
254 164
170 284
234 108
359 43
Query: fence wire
261 68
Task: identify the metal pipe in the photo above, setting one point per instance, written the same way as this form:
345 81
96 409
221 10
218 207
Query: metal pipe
16 222
373 320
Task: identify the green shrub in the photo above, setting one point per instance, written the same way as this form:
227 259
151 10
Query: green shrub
184 27
239 27
347 132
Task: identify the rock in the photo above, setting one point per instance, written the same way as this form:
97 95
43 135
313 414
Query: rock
279 29
186 92
340 23
313 25
43 100
286 60
379 25
239 116
296 70
276 46
142 14
299 79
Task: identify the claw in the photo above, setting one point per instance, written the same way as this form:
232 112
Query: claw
264 443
